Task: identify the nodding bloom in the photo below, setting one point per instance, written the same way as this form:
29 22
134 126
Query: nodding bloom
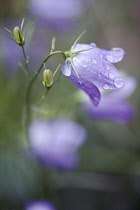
55 142
114 105
39 205
91 69
58 14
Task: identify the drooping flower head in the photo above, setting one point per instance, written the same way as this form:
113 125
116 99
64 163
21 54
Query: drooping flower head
114 105
39 205
55 142
91 69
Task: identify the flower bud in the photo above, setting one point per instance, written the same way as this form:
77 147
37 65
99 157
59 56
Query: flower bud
48 77
17 33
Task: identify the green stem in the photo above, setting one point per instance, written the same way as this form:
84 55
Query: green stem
26 62
40 101
29 88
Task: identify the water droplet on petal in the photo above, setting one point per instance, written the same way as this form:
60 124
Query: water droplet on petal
84 64
118 82
101 56
93 60
111 75
115 55
95 101
117 49
93 45
105 86
107 66
99 74
80 82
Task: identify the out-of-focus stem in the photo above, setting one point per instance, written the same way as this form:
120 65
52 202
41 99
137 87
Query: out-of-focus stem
29 88
26 62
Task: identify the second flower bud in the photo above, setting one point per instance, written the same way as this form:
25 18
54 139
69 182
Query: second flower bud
47 78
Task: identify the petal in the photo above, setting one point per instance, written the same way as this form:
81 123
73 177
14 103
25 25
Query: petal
114 55
113 106
40 205
92 65
97 70
120 112
127 90
66 69
51 144
66 143
92 91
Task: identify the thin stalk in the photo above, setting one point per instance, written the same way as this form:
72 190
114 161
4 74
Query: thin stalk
26 62
40 101
29 89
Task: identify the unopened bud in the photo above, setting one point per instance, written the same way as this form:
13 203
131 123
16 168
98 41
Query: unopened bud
17 33
48 77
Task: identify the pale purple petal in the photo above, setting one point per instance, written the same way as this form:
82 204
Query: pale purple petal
92 65
55 9
59 15
66 69
121 112
130 84
55 143
114 55
92 91
39 205
113 105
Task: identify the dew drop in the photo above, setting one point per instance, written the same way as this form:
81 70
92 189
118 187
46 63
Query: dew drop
93 45
117 49
95 101
99 74
80 82
107 66
105 86
101 56
93 60
118 82
84 64
111 75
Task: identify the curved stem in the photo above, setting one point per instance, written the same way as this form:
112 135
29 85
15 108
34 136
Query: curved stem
29 88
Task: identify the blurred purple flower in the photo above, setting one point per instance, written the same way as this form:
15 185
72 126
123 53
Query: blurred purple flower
39 48
94 68
11 55
113 105
39 205
58 14
11 51
55 142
